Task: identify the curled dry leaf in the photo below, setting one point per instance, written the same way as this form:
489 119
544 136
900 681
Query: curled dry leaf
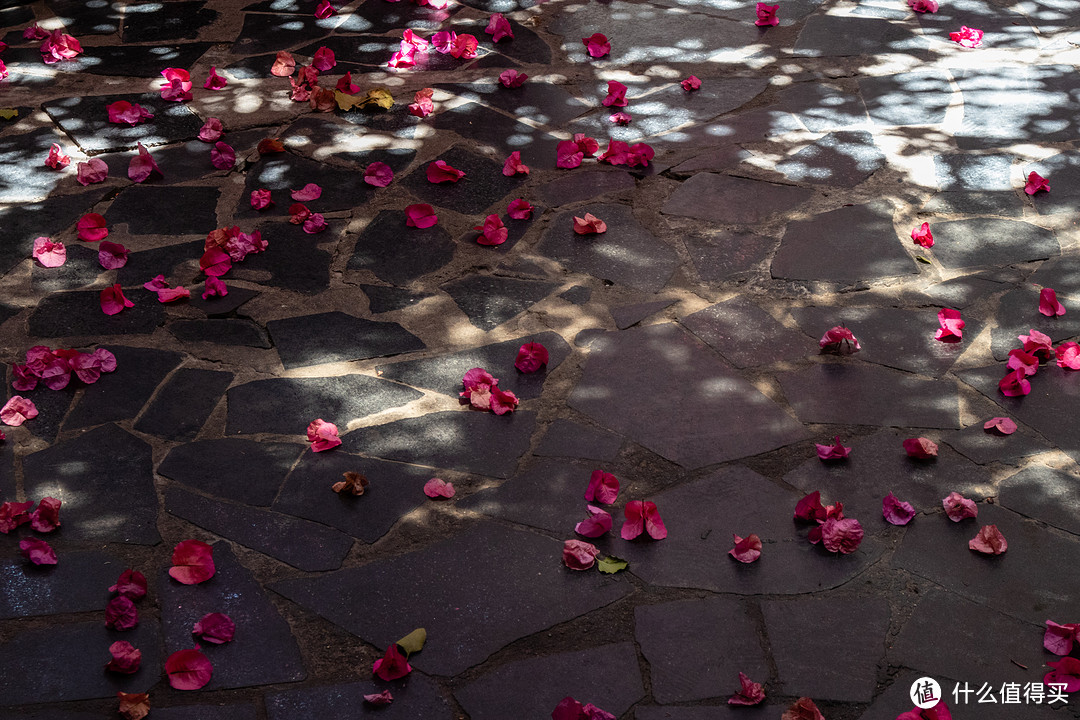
989 541
354 484
133 706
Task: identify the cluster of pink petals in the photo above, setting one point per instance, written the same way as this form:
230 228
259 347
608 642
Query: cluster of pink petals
450 43
839 340
378 174
1035 183
37 551
422 105
54 367
45 518
1066 673
589 225
923 6
519 209
58 46
766 15
211 131
570 709
596 524
123 112
749 692
967 37
411 45
498 28
835 532
1038 347
437 488
92 171
236 244
642 516
48 253
531 357
920 448
579 555
1049 304
616 96
836 451
142 167
747 549
420 215
621 153
691 83
603 488
392 665
952 327
177 85
989 541
56 158
514 166
1059 639
322 435
483 393
512 78
922 236
165 293
896 511
596 45
492 232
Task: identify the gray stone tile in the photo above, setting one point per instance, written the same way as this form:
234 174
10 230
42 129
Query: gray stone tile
52 406
184 403
724 254
291 258
490 300
919 97
1018 312
105 479
120 395
304 545
387 299
85 119
1062 274
465 440
465 590
222 331
416 697
153 22
264 650
245 471
140 61
627 315
1063 172
491 129
741 9
541 102
765 711
179 263
534 686
311 136
713 160
81 269
855 393
991 241
76 584
578 295
191 210
579 185
714 635
852 35
87 18
380 249
26 176
823 107
216 307
746 335
1043 494
271 32
960 292
840 159
732 200
566 438
482 186
25 222
705 418
336 337
627 254
78 313
206 712
975 184
978 445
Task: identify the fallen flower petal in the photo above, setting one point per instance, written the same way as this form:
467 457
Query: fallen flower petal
1035 183
967 37
989 541
215 628
284 64
1068 355
1000 425
1015 384
512 78
422 105
616 96
324 10
315 224
211 131
13 514
1066 672
440 172
168 295
215 262
896 511
142 166
836 451
309 192
531 357
222 156
193 563
57 159
298 214
1038 344
188 670
841 535
126 658
1020 360
383 698
92 171
810 509
922 236
35 32
323 60
923 6
598 523
514 166
938 712
492 232
766 15
112 256
498 28
747 549
1059 639
920 448
378 174
519 209
123 112
354 483
260 199
589 225
345 84
131 584
120 614
322 435
177 85
603 488
214 81
438 488
91 227
597 45
464 46
420 215
579 555
392 665
952 327
46 517
37 551
1048 303
18 410
839 340
48 253
502 401
642 515
749 692
620 118
568 154
59 46
133 706
802 709
214 288
691 83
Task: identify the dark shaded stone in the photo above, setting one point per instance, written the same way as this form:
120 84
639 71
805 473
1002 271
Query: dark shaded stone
287 405
86 120
16 14
387 17
293 261
466 440
854 393
245 471
7 471
1018 313
844 670
142 61
733 200
206 712
840 159
217 307
721 255
746 335
975 184
1006 104
26 176
1043 494
488 568
154 22
105 478
991 241
847 36
710 414
87 18
179 264
515 230
565 438
845 245
396 490
542 102
532 687
714 635
975 202
225 331
737 9
313 136
77 584
713 160
978 445
627 254
585 185
337 337
491 129
578 295
184 403
960 292
822 107
483 184
920 97
628 315
28 667
52 406
525 46
79 314
23 223
1015 582
359 53
489 300
387 299
120 395
1061 273
444 373
272 32
415 697
304 545
79 270
265 651
165 210
400 254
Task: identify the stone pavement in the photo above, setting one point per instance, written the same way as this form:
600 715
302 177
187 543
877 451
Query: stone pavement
683 342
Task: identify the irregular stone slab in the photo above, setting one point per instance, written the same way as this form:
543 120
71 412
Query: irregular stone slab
52 406
465 440
191 210
245 471
840 159
488 568
1061 273
321 138
8 487
962 652
846 245
387 299
845 670
23 223
225 331
978 445
337 337
732 200
578 295
26 177
120 395
105 480
1043 494
491 129
79 314
81 649
737 9
81 18
854 393
380 249
141 61
272 32
534 686
960 292
184 403
154 22
304 545
991 241
287 405
359 53
1019 582
515 230
823 107
415 697
746 335
284 172
585 185
714 635
292 260
179 264
483 184
627 254
268 652
396 490
899 338
206 712
384 18
444 373
851 35
541 102
1001 29
721 255
713 160
79 270
628 315
1064 169
566 438
710 414
920 97
1018 312
489 300
881 457
75 585
216 307
86 120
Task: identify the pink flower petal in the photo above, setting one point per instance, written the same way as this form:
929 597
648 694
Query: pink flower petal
315 224
952 327
260 199
598 523
142 167
123 112
126 658
920 448
512 78
896 511
1048 303
168 295
989 541
498 28
18 410
967 37
420 215
502 401
215 262
620 118
324 10
309 192
1035 183
284 64
322 435
603 488
131 583
492 232
766 15
46 517
519 209
1059 639
177 87
1000 425
112 255
440 172
841 535
13 514
809 508
214 81
214 288
1015 384
579 555
691 83
378 174
616 94
92 171
589 225
747 549
839 340
120 614
379 699
392 665
1066 672
48 253
514 166
568 154
596 45
211 131
531 357
188 670
37 551
922 236
215 628
422 105
57 159
437 488
222 156
923 6
749 693
1068 355
836 451
193 563
91 227
323 60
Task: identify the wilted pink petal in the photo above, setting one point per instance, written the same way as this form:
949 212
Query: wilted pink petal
766 15
438 488
512 78
896 511
1066 672
440 172
597 45
1026 362
214 81
642 515
839 340
142 166
57 374
749 692
323 60
967 37
519 209
193 562
46 517
1035 183
122 112
616 96
50 254
1038 344
177 85
57 159
464 46
588 225
422 105
91 227
222 156
617 153
35 32
322 435
922 236
492 232
747 549
379 699
18 410
579 555
1015 384
14 514
1068 355
309 192
215 262
620 118
392 665
531 357
952 327
420 215
1048 303
514 166
923 6
498 28
214 288
120 614
315 224
568 154
502 401
37 551
989 541
59 46
1059 639
92 171
324 10
345 84
802 709
843 535
691 83
112 255
378 174
836 451
125 658
1000 425
809 508
920 448
603 488
211 131
284 64
168 295
298 214
215 628
598 523
106 360
113 301
188 670
417 43
131 583
260 199
25 379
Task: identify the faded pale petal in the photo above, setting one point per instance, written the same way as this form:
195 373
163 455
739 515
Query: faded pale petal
989 541
747 549
957 507
896 511
579 555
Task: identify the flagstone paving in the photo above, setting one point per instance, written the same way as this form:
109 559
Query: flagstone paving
683 358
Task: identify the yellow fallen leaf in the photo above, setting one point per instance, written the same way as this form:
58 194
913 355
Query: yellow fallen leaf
346 101
9 113
380 97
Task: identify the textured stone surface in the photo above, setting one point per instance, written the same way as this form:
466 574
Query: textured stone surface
337 337
585 185
565 438
86 120
913 98
1018 313
628 315
490 300
292 260
416 697
387 299
224 331
483 183
732 200
184 403
491 130
179 263
746 335
79 314
722 255
839 36
1039 492
233 468
822 107
991 241
399 254
150 210
839 159
121 394
74 585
